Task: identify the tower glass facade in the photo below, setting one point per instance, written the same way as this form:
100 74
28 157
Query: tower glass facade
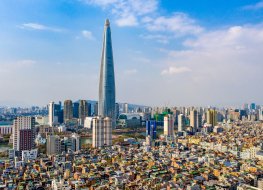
106 105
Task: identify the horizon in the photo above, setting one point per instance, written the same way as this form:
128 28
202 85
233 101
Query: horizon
165 53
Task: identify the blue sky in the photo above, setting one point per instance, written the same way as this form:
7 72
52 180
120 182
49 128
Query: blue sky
166 52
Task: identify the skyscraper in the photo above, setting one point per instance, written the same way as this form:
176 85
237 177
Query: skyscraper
83 111
194 120
181 123
51 113
76 110
168 125
211 117
55 113
68 110
106 105
126 108
151 129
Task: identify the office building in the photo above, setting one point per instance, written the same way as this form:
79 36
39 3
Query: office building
252 106
68 110
106 105
83 111
151 129
23 133
96 107
89 109
181 123
168 125
55 113
117 110
76 109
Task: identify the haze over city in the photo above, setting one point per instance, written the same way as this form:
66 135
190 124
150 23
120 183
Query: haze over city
165 52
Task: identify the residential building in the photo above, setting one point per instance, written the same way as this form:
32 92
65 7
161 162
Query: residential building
23 133
169 125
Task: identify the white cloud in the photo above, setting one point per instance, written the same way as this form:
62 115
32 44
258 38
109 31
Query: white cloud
179 24
175 70
164 39
130 71
129 20
37 26
100 2
126 12
223 58
25 63
87 34
256 6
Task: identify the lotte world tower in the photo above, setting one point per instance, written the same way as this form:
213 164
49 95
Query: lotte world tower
106 105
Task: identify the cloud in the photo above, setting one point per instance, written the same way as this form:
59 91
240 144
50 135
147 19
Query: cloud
126 12
101 3
223 58
37 26
25 63
7 67
175 70
129 20
256 6
179 24
130 71
164 39
87 34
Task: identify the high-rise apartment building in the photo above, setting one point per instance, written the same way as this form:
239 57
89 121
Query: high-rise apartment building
106 103
194 120
211 116
126 108
23 133
53 145
108 131
68 110
83 111
51 113
168 125
102 132
181 123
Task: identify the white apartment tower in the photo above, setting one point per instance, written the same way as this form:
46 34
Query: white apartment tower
51 113
169 125
102 132
181 122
